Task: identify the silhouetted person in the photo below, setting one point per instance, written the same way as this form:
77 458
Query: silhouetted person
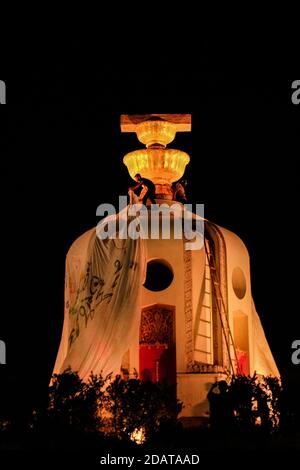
221 413
148 189
146 375
179 189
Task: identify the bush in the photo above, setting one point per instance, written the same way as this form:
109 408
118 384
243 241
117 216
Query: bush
117 408
136 405
251 403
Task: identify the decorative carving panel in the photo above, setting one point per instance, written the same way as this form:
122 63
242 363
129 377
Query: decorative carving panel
188 307
157 325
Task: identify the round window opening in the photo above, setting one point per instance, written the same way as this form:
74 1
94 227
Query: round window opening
239 283
159 275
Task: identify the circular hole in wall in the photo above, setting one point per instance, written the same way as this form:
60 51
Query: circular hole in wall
239 283
159 275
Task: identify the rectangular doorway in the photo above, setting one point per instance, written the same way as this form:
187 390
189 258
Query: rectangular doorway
157 347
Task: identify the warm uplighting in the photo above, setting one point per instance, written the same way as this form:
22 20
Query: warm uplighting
162 166
157 163
138 435
156 132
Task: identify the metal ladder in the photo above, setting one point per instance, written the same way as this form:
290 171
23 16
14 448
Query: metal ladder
222 310
204 331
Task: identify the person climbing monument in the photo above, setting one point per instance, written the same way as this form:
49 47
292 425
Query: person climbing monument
147 189
179 191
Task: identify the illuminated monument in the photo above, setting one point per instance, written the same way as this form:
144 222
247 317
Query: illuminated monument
155 307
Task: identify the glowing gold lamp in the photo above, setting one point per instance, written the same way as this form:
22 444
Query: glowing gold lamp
161 165
156 132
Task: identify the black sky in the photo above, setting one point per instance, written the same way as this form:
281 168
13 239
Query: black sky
65 158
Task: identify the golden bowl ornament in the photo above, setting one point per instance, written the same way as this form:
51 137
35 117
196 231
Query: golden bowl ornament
161 165
156 132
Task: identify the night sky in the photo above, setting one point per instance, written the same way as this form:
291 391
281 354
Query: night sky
65 158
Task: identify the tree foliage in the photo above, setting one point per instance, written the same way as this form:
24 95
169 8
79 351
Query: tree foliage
247 404
114 407
135 404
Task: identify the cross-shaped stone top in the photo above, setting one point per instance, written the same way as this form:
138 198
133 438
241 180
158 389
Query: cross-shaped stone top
156 129
182 122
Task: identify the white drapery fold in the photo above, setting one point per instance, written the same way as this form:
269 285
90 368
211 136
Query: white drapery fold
102 302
